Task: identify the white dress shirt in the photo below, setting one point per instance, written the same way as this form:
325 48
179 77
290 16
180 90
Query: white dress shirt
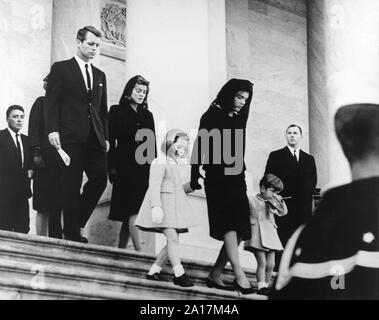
13 135
297 152
82 66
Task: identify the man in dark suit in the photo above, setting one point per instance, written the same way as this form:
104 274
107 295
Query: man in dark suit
336 255
76 120
14 181
297 170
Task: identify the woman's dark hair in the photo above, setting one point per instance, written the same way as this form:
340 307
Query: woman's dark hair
45 80
225 98
126 95
271 181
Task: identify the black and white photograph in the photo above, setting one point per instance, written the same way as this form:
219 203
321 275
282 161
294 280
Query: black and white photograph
195 156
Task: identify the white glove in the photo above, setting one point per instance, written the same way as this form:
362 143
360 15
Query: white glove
157 215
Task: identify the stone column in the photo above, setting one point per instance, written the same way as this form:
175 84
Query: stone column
68 17
217 57
343 68
25 34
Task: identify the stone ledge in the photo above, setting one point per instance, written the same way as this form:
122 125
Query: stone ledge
76 283
99 250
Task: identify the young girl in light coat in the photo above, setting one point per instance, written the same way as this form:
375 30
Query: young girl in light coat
166 208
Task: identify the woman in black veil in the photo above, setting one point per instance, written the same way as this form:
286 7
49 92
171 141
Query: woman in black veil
225 187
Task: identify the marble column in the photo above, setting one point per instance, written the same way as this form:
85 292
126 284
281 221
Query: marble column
343 68
217 57
68 17
25 44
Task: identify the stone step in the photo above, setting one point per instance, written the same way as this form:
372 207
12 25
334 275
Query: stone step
45 251
96 285
18 289
73 270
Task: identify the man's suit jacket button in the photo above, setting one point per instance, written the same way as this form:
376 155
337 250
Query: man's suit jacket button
89 117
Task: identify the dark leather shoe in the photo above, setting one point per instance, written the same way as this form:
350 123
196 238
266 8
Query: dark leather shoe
155 277
77 239
183 281
264 291
241 289
83 239
213 284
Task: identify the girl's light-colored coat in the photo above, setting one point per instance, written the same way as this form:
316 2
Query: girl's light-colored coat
167 191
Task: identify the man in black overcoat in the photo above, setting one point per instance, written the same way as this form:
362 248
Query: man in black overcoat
297 170
14 180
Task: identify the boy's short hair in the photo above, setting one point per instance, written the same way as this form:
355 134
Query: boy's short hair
357 129
14 107
271 181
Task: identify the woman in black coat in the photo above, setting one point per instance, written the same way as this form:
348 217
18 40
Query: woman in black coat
45 193
128 168
225 186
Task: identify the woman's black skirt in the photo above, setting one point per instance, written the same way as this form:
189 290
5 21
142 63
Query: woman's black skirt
228 206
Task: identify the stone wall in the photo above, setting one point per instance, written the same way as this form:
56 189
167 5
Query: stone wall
266 43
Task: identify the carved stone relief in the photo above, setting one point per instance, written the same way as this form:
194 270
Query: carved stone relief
113 25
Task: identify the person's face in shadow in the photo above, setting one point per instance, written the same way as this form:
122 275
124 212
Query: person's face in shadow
240 100
139 93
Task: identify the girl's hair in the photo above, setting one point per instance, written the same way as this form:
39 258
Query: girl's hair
225 98
271 181
171 137
126 95
45 80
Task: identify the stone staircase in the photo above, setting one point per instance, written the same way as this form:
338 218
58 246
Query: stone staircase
34 267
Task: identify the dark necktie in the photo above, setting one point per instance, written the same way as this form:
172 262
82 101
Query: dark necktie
294 154
19 155
88 79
